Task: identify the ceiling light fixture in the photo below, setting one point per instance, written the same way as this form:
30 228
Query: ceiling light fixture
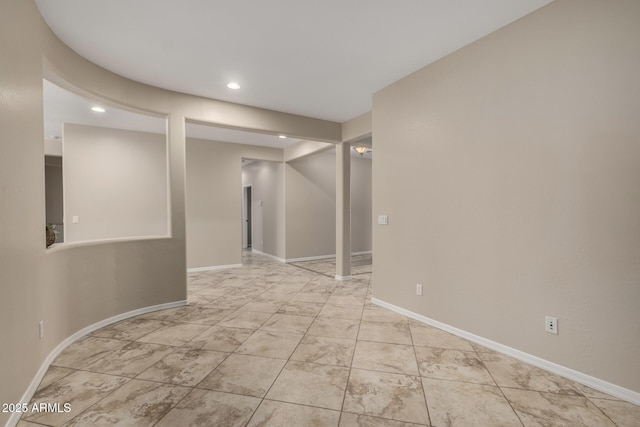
98 109
233 85
282 136
361 150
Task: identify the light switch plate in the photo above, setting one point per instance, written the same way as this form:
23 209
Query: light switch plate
383 219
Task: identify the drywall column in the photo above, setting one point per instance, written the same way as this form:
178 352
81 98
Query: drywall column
343 212
177 178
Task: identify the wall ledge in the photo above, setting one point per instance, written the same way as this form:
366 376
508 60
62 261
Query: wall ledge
28 394
579 377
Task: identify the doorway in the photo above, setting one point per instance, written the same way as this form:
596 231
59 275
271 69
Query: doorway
246 217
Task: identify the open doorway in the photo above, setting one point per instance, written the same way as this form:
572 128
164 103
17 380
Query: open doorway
246 217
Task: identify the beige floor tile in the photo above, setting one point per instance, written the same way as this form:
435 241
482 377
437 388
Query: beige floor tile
358 420
279 345
481 349
338 299
336 328
428 336
262 305
624 414
453 365
319 297
271 414
206 316
205 408
381 314
509 372
341 312
311 384
219 338
245 319
213 293
287 323
465 404
130 329
168 315
139 403
397 333
301 308
283 296
350 290
280 287
131 359
589 392
550 410
175 334
377 356
53 374
325 350
381 394
80 389
244 374
186 366
231 302
86 351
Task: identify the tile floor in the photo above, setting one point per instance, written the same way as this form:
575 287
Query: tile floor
278 345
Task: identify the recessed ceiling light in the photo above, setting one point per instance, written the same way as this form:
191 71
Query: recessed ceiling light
282 136
233 85
98 109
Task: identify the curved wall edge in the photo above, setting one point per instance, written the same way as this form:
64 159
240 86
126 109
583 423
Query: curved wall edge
28 394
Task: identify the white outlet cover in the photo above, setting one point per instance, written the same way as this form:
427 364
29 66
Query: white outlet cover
551 324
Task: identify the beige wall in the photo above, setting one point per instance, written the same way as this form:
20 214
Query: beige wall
74 287
267 205
509 171
115 182
361 204
214 200
310 205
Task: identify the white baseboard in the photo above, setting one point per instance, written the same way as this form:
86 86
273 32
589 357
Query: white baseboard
310 258
268 255
343 278
213 268
579 377
318 257
28 394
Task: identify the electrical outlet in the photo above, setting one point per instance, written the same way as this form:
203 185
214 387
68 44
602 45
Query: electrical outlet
419 289
551 324
41 329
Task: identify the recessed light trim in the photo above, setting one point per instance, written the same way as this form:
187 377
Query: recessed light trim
98 109
233 85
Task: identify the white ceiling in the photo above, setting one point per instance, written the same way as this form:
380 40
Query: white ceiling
321 59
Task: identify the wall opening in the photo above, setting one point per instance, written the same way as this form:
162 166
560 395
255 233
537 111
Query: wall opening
106 169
